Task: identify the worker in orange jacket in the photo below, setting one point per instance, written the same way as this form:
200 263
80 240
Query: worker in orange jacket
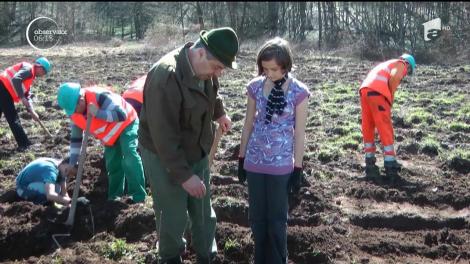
134 94
377 94
15 87
115 123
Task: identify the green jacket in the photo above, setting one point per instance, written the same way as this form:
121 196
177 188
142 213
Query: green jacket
176 116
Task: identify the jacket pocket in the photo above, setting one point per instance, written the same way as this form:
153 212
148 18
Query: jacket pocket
186 113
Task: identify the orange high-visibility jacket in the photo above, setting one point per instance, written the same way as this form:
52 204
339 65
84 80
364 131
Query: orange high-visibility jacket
378 78
107 132
136 90
7 76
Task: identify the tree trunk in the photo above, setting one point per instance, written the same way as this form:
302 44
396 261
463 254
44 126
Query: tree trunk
122 28
319 26
241 34
200 16
273 16
7 16
71 28
303 19
32 10
138 13
401 24
232 9
283 21
182 19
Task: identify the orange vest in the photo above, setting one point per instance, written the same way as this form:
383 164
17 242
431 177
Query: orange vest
107 132
136 90
378 78
7 76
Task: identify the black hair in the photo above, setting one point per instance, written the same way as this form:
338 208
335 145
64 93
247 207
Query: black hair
66 160
278 49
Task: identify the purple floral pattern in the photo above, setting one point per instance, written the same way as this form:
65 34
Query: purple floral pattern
270 148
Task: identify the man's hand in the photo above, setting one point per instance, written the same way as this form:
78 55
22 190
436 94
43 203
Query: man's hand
66 200
225 123
26 104
92 109
83 200
194 186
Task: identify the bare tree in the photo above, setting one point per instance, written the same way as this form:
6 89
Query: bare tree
377 27
273 17
200 15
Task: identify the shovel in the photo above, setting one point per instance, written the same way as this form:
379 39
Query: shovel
45 129
78 181
218 136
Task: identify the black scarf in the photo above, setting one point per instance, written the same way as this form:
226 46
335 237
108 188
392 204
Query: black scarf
276 100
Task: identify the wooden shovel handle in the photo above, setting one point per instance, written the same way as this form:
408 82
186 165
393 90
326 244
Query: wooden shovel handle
78 181
218 136
45 129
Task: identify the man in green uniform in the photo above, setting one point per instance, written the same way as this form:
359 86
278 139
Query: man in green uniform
175 136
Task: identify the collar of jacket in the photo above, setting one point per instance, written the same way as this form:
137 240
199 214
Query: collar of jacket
183 69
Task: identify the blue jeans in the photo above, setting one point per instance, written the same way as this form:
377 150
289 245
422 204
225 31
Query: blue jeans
268 201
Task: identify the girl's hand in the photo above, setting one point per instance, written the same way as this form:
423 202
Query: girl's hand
241 170
293 187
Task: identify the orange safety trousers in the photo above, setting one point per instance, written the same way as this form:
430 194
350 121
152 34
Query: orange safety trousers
376 113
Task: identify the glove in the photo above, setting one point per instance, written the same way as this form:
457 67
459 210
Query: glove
92 109
241 170
293 186
83 200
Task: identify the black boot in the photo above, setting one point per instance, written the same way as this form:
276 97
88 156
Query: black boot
202 260
392 168
175 260
372 171
206 260
24 146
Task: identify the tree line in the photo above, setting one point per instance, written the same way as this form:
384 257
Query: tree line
370 26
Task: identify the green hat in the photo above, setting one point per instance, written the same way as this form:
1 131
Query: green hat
222 43
68 97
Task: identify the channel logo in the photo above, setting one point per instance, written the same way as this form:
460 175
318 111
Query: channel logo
433 28
44 33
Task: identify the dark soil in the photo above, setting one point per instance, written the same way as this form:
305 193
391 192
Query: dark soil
338 216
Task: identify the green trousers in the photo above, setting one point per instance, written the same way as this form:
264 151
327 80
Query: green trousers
122 160
172 205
